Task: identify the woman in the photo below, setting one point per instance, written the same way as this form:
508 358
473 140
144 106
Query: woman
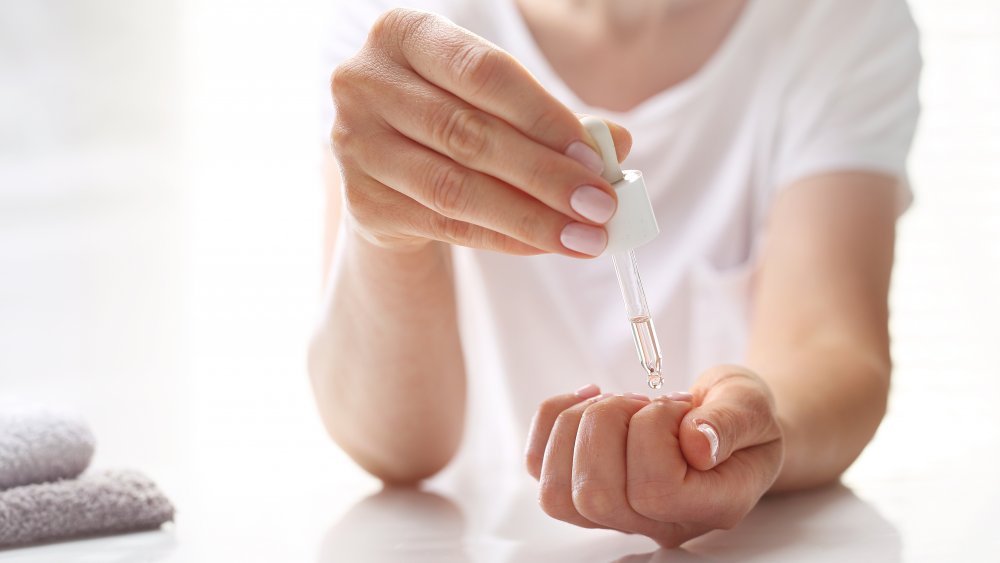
773 136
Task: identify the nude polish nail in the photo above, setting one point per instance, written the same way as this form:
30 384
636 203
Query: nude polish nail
636 396
587 391
713 439
582 153
683 396
585 239
592 203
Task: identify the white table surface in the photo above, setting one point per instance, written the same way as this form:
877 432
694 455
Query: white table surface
159 243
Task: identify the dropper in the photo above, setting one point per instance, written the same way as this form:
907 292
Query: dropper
643 331
632 225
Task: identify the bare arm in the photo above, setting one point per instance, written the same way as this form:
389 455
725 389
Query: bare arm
463 147
819 335
386 364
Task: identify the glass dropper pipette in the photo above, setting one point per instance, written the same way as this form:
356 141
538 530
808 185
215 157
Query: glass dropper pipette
643 331
632 225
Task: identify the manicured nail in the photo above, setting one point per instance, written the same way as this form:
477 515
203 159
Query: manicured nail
587 391
637 396
585 239
603 396
582 153
593 203
680 396
713 439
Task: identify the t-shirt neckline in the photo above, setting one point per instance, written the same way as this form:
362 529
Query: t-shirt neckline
527 51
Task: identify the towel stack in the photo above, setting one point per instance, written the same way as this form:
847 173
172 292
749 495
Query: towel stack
43 495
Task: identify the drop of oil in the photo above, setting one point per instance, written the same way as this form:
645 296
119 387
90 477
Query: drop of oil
655 381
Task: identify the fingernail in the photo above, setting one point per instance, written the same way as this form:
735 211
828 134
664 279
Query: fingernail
582 153
593 203
603 396
713 439
587 391
638 396
585 239
679 396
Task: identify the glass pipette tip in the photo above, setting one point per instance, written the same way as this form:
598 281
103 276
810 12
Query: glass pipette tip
643 332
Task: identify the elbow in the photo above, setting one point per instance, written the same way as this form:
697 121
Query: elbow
317 360
397 454
878 376
403 463
406 473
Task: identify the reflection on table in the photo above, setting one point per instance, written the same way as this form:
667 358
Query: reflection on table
404 524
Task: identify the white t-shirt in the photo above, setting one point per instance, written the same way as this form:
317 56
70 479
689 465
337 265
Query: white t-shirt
798 88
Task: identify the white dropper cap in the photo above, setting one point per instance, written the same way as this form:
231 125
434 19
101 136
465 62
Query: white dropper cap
633 223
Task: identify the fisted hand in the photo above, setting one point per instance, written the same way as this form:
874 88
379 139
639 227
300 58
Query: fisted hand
440 135
672 468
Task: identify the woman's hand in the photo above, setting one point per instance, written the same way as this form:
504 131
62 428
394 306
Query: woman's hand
672 468
441 135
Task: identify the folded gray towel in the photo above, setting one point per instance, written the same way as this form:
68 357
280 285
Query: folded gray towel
38 445
108 502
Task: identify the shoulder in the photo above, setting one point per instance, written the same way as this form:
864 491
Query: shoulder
844 26
823 42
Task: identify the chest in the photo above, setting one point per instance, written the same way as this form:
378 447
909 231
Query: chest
619 69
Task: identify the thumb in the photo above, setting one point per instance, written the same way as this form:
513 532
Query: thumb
735 411
619 134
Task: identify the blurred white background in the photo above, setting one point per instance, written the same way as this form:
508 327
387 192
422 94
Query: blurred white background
160 219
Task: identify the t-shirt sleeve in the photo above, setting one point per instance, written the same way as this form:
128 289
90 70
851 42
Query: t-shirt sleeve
854 102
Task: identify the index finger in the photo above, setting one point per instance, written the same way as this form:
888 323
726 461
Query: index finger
480 73
545 419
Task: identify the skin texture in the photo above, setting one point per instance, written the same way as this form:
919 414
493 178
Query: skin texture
456 117
806 402
643 466
820 346
669 40
465 147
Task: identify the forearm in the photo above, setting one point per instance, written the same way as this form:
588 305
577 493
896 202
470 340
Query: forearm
386 362
819 334
830 399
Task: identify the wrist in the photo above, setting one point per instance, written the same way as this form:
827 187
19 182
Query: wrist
394 257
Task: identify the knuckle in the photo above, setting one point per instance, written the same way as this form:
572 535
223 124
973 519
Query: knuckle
526 227
550 409
594 501
340 136
760 418
448 191
477 65
343 76
395 22
357 202
730 423
672 540
566 419
533 460
350 82
541 174
452 231
492 240
518 248
728 519
547 120
463 132
555 500
652 499
608 410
